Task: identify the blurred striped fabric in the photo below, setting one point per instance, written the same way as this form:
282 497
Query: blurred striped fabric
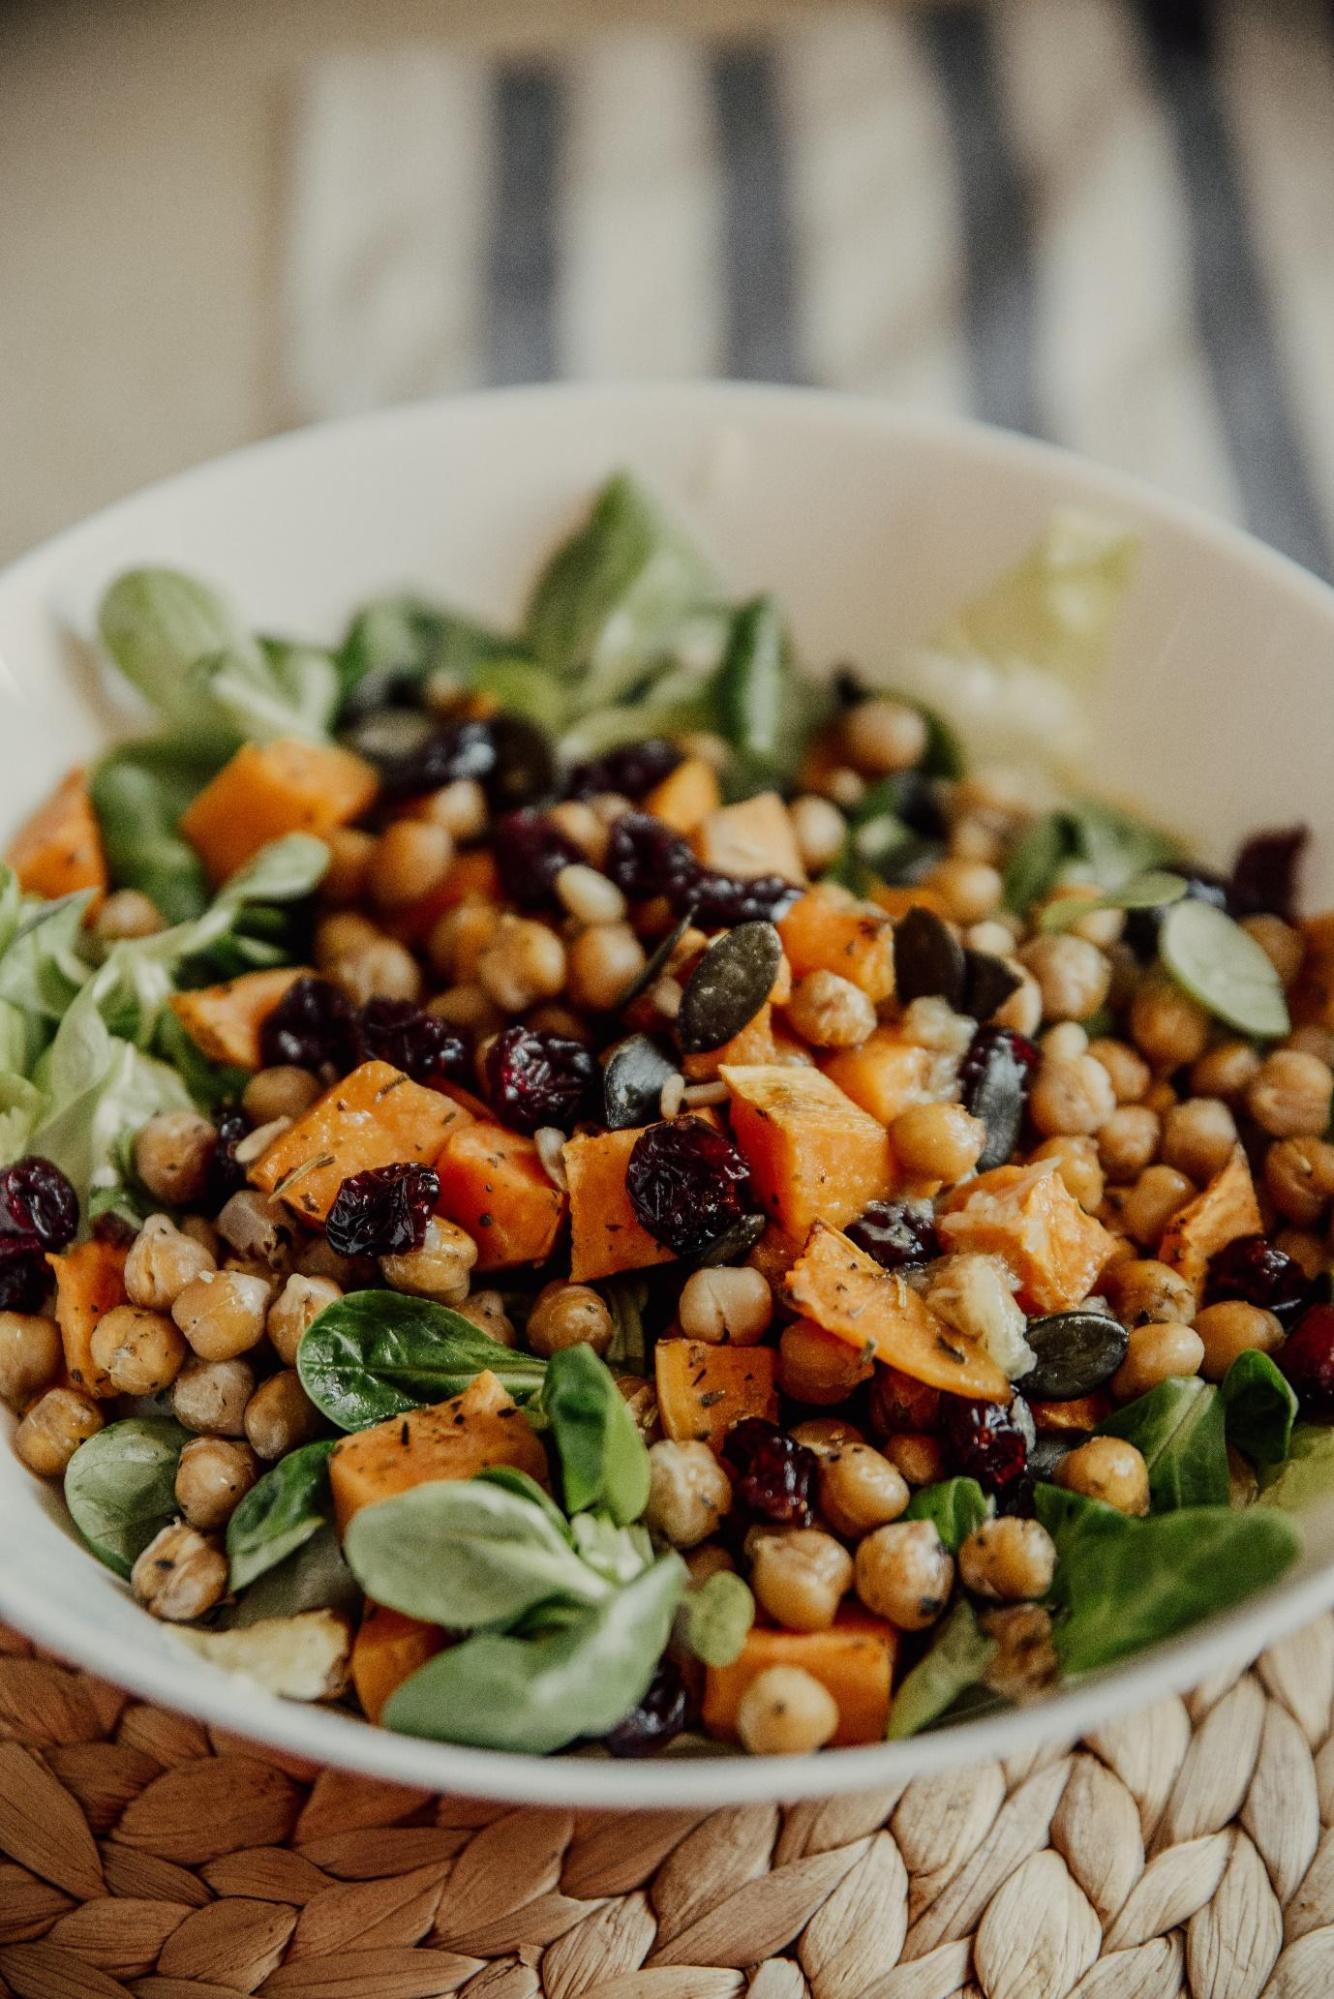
1106 222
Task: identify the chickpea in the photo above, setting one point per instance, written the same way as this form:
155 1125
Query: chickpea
994 937
1128 1142
1230 1328
222 1313
830 1012
1281 944
210 1396
381 968
1023 1009
918 1455
786 1711
1108 1469
710 1560
179 1575
1158 1194
410 858
815 1366
589 829
860 1490
1311 1039
1070 1098
161 1262
568 1315
523 963
1299 1175
439 1269
460 807
53 1428
970 888
257 1228
486 1311
801 1577
126 915
1304 1248
172 1154
1065 1042
1226 1070
1079 1165
1157 1353
1073 975
280 1415
319 1258
1008 1560
341 934
31 1356
1198 1137
460 936
882 736
295 1310
140 1352
602 962
905 1572
1127 1071
350 851
826 1434
819 829
937 1141
588 895
1168 1026
844 787
971 839
932 1023
1144 1291
213 1476
1290 1095
283 1091
689 1493
467 1007
726 1306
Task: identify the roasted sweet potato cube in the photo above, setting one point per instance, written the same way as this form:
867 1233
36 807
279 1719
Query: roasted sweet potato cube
813 1154
224 1022
703 1390
375 1117
686 796
1029 1218
269 789
821 933
886 1075
453 1439
606 1235
1224 1210
90 1280
749 839
387 1650
854 1660
58 848
493 1184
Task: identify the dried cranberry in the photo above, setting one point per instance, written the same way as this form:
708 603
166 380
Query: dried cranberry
717 901
900 1402
1264 874
37 1202
427 1049
1143 925
225 1176
994 1080
25 1275
645 858
1253 1268
530 851
384 1211
989 1441
687 1183
312 1024
1307 1359
772 1474
632 770
537 1079
655 1720
897 1234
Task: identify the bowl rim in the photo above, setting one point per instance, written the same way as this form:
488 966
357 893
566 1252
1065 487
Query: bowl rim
328 1736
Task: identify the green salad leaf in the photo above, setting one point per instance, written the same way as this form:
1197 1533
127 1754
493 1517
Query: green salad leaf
157 624
602 1457
375 1354
1087 842
1306 1476
754 684
956 1507
958 1659
120 1487
139 792
396 642
314 1577
1179 1428
280 1513
1223 967
1155 890
1260 1408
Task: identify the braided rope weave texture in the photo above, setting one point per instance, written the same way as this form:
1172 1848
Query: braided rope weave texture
1188 1850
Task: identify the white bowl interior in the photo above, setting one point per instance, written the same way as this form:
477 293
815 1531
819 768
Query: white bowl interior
871 527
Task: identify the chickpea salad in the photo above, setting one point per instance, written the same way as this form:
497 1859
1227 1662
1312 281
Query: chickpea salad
588 1189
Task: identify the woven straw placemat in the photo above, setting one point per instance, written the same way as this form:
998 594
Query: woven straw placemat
1188 1850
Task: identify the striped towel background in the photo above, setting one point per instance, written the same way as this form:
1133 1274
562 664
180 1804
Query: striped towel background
1107 222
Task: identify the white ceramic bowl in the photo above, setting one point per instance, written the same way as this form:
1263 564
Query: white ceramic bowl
872 526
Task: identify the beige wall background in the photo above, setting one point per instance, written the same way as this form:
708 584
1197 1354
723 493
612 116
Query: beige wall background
141 176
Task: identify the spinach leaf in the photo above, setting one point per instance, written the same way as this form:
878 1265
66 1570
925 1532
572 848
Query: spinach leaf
534 1695
1306 1478
393 643
1123 1584
752 692
316 1577
139 792
466 1552
523 688
1259 1408
1086 841
120 1487
156 624
377 1353
617 1553
626 1298
280 1513
957 1507
957 1660
1179 1429
603 1462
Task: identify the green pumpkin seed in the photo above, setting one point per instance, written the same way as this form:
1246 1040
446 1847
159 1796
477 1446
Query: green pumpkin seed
728 986
632 1082
928 960
1077 1352
988 983
733 1245
655 965
1224 969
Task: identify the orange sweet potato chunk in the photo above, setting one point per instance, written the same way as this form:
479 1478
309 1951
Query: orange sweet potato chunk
821 933
885 1075
1312 998
269 789
854 1660
847 1292
605 1233
1225 1209
90 1280
224 1021
58 848
375 1117
453 1439
493 1184
686 796
752 1043
752 838
1029 1218
387 1650
703 1390
813 1154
